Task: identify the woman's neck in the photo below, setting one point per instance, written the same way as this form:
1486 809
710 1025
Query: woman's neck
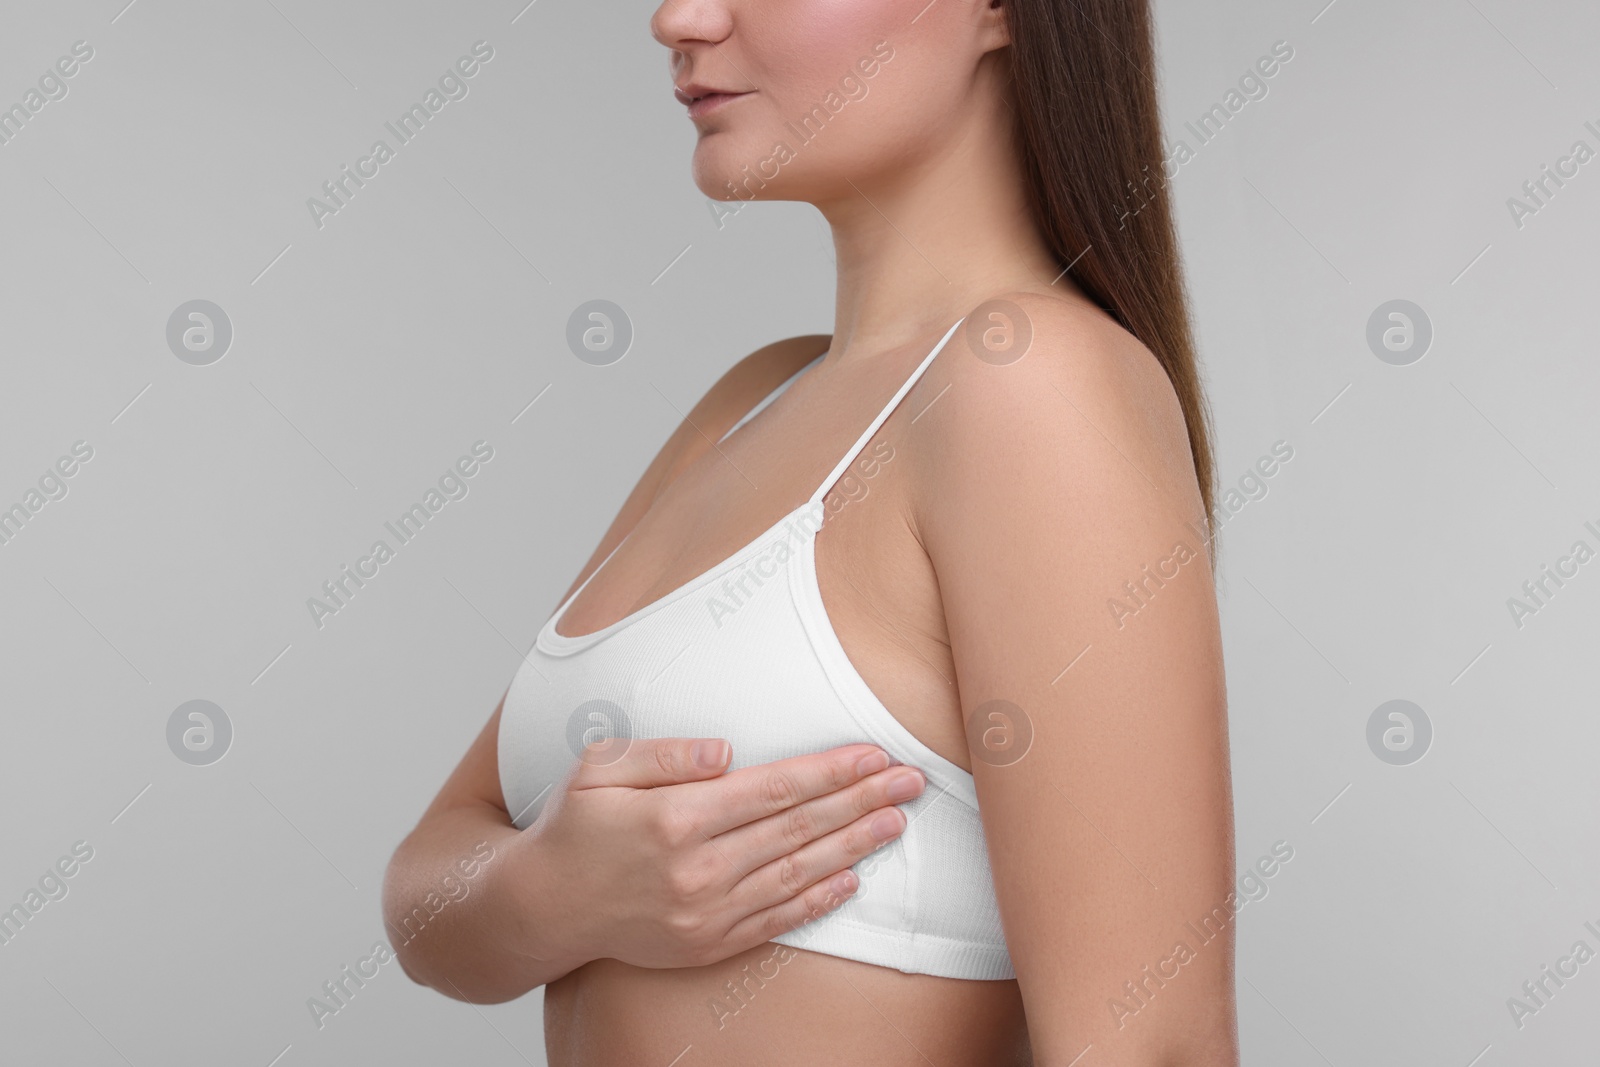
918 245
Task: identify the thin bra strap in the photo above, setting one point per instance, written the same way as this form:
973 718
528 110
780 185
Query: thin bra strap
894 402
752 413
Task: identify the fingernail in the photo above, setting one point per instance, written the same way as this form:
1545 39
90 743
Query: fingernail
710 754
905 786
844 882
872 762
886 825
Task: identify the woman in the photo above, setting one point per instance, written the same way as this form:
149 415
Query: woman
976 807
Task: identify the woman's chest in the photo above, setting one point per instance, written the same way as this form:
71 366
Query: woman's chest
852 574
823 631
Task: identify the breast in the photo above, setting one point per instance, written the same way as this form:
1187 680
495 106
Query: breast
746 676
770 676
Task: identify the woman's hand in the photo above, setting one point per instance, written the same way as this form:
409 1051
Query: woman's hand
665 861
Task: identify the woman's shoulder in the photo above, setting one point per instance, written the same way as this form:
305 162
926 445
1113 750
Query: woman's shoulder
1040 385
1027 355
1062 338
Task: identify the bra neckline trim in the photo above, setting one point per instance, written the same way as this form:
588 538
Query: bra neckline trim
860 701
559 644
555 643
881 725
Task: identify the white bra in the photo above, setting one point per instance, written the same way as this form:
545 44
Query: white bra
745 651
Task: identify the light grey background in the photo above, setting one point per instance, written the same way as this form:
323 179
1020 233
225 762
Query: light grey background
370 353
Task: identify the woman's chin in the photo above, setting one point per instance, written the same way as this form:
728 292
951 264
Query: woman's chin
725 168
721 182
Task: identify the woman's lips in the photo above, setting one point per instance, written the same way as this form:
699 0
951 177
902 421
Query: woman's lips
705 105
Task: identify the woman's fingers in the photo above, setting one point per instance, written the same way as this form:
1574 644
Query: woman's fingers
646 763
813 903
756 844
804 885
751 793
790 875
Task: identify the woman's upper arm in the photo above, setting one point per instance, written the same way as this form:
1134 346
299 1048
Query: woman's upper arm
1064 524
476 779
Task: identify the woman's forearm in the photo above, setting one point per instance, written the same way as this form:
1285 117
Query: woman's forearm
457 923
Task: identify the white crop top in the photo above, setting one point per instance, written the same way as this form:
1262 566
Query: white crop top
745 651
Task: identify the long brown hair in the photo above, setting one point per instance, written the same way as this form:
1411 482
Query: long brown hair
1089 126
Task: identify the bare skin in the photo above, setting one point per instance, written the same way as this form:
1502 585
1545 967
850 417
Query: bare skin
605 1002
884 603
1019 500
602 1010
